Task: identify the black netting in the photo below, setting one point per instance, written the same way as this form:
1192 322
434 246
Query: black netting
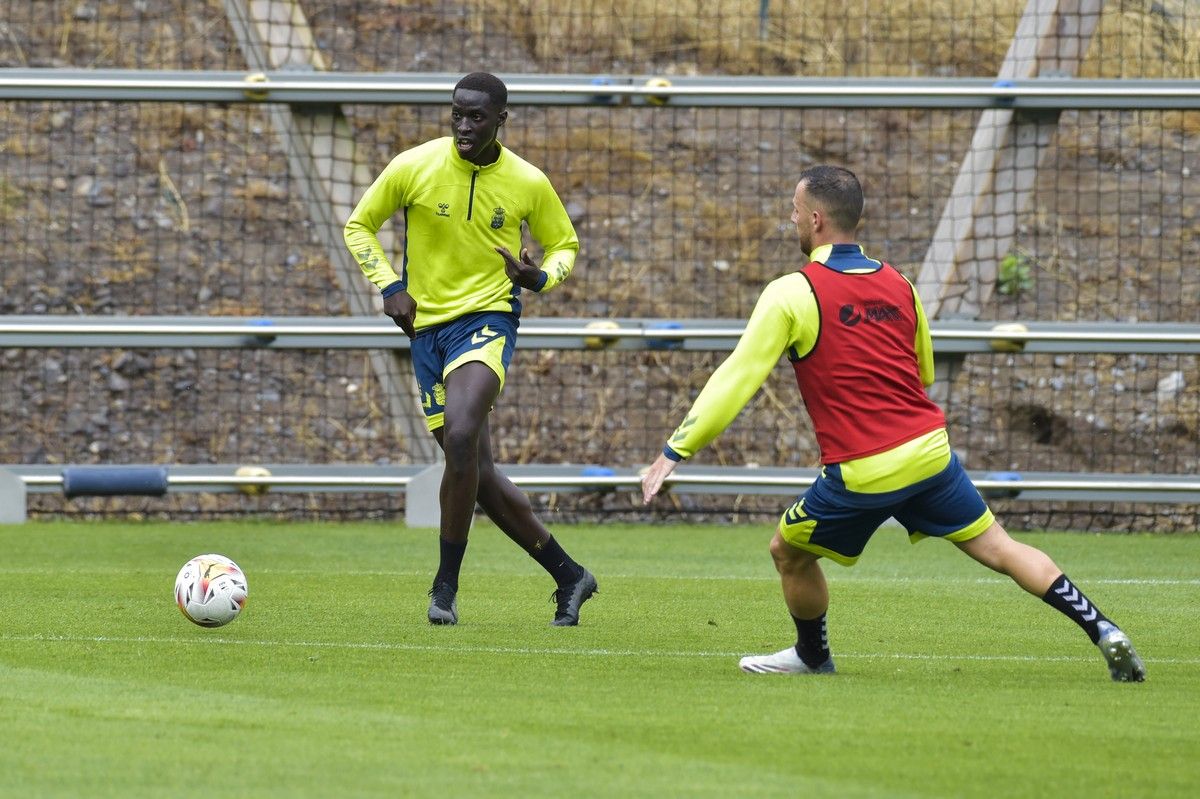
194 209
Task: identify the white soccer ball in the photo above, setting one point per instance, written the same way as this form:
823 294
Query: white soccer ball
210 590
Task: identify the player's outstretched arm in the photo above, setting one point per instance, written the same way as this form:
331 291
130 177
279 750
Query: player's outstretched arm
652 480
771 328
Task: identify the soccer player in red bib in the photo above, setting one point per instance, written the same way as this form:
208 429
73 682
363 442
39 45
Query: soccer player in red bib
854 331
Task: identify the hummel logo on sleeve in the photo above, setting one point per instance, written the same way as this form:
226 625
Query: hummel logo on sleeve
682 431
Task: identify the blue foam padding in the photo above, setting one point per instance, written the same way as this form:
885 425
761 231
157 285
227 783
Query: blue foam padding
665 343
113 481
1002 493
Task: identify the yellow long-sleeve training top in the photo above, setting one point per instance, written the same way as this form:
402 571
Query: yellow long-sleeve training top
455 215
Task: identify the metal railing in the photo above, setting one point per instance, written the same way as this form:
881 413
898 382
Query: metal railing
567 333
598 90
300 478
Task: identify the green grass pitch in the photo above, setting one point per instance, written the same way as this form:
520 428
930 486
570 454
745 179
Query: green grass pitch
951 683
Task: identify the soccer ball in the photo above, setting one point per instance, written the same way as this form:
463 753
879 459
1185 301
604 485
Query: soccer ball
210 590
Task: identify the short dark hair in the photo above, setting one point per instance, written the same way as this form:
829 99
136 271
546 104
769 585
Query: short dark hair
837 191
487 83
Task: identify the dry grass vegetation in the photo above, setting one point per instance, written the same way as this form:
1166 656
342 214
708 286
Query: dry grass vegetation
1147 39
825 38
810 37
814 38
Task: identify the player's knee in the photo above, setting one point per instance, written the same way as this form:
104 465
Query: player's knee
460 443
784 554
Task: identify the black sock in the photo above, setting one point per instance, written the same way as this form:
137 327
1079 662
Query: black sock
450 563
812 641
551 557
1063 596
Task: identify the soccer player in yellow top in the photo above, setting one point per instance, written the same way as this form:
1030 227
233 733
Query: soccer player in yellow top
457 297
856 335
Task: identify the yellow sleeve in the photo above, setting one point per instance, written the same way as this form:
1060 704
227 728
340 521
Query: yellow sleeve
551 226
772 327
923 343
381 200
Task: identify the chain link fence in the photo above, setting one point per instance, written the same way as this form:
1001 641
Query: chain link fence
193 209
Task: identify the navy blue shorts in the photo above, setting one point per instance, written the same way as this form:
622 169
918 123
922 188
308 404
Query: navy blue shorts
831 520
489 337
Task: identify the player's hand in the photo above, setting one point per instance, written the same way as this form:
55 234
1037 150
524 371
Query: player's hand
525 273
403 310
653 479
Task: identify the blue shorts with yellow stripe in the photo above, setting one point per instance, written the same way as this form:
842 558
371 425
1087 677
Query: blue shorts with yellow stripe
835 521
488 337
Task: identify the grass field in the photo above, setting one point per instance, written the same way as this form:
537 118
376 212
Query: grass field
952 682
